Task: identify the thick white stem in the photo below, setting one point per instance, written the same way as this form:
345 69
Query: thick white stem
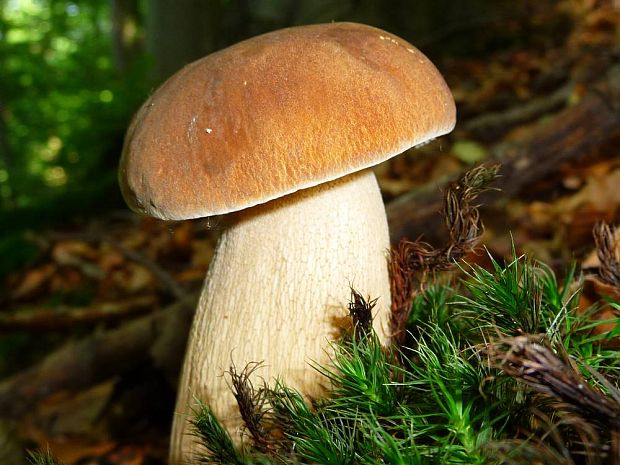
277 291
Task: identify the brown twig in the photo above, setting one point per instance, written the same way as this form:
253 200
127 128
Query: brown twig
252 404
411 259
532 360
608 251
68 318
497 123
162 275
165 278
583 415
158 338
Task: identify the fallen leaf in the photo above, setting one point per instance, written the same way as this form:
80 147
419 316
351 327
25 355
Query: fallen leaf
133 278
67 414
34 282
469 152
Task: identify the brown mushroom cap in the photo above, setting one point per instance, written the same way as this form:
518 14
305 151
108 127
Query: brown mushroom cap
277 113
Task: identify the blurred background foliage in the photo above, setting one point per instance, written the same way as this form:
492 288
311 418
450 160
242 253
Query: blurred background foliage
73 72
65 100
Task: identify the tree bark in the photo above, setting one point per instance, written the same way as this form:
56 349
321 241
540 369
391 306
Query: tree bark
179 32
125 22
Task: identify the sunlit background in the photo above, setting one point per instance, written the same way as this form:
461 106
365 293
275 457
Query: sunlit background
64 103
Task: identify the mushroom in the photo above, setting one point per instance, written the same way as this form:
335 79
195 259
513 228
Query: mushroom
281 129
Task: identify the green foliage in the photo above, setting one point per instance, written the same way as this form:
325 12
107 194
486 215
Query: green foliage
431 307
65 107
327 438
41 458
219 445
362 377
446 399
520 297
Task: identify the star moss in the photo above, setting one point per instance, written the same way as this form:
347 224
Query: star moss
502 366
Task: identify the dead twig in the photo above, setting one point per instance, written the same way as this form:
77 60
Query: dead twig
582 415
608 251
158 338
411 259
532 360
165 278
497 123
68 318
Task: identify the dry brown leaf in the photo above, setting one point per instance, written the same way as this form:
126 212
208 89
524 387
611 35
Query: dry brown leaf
71 451
70 251
182 237
568 221
66 424
191 275
34 282
134 238
66 280
109 258
78 254
133 278
127 456
395 187
596 292
75 414
602 192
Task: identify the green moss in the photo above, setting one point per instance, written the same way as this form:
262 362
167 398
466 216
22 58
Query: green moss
444 399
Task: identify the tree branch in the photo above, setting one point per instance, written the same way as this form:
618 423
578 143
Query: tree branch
66 319
158 338
569 135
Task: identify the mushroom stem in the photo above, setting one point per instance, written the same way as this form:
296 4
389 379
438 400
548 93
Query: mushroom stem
276 291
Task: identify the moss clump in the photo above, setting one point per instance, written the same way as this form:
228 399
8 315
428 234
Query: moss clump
502 366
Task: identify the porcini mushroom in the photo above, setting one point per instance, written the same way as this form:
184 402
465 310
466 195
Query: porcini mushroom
281 129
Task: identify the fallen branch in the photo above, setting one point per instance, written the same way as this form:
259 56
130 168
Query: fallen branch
158 338
496 123
170 285
569 135
68 318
